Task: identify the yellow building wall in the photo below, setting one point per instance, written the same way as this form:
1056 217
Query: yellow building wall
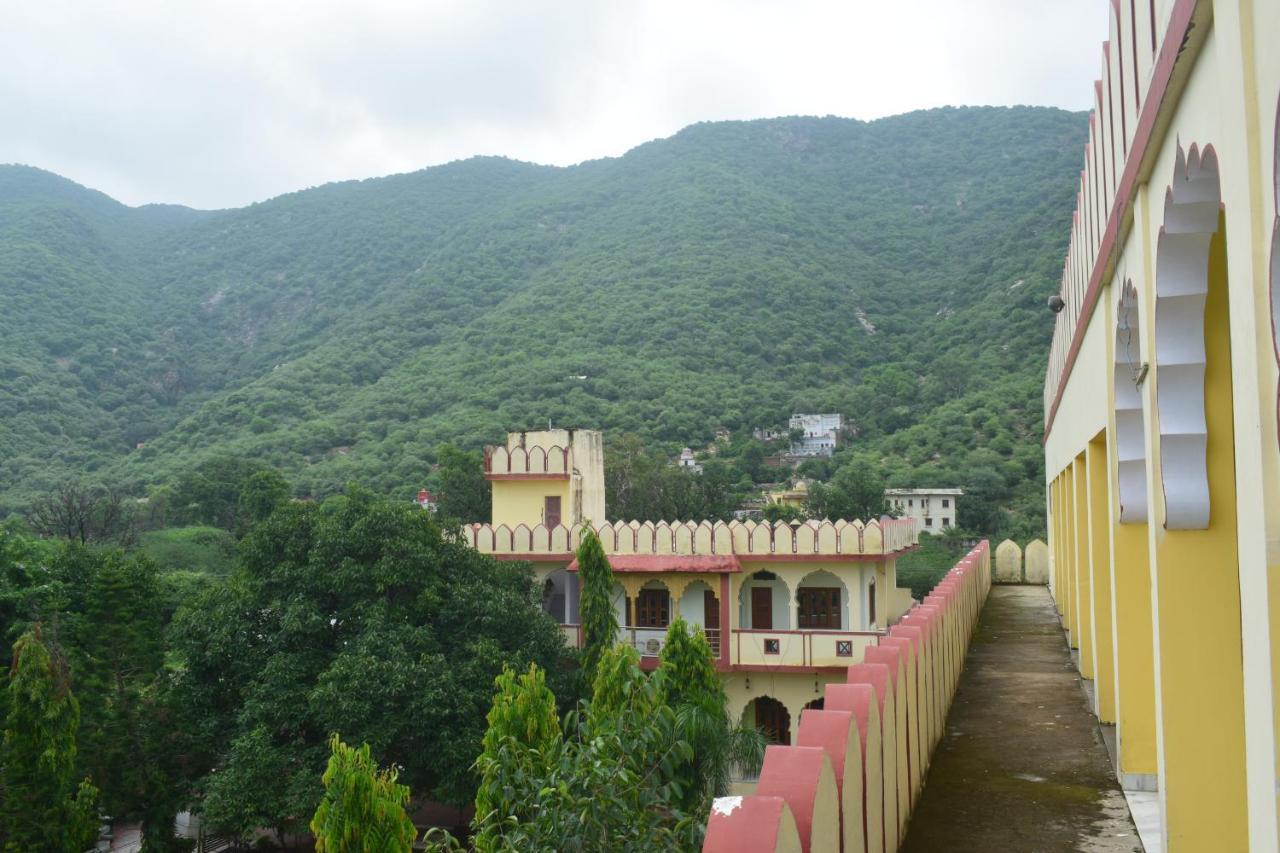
1099 516
1136 716
1080 566
1198 613
522 501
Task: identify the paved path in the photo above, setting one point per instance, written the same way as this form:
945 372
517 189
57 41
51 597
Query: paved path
1022 766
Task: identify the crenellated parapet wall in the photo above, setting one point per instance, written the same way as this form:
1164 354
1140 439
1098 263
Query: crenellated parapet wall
742 538
859 764
532 461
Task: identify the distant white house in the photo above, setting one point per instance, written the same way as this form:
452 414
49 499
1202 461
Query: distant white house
820 433
934 509
687 461
426 500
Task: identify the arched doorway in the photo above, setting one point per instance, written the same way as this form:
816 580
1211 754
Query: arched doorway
772 718
762 603
560 596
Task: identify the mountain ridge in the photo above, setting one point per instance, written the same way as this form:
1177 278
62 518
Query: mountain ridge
713 278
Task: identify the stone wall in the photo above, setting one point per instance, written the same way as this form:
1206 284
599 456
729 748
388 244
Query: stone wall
860 763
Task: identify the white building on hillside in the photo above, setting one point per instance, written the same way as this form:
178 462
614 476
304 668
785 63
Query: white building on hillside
935 509
820 434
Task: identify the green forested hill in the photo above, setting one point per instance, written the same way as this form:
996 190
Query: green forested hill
894 271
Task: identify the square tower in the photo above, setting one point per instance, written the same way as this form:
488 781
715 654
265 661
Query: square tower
551 477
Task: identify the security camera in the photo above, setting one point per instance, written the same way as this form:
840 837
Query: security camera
1056 304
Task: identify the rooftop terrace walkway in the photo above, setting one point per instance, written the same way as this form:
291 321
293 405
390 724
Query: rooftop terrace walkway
1022 766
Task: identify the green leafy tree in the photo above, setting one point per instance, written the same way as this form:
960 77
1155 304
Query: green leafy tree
119 651
465 495
213 492
523 734
611 783
856 491
690 686
599 619
262 492
43 808
784 512
363 808
355 615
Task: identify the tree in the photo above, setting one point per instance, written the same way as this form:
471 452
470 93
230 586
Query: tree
609 784
43 808
599 619
855 492
212 492
465 495
363 808
260 495
783 512
523 733
82 514
359 616
119 651
690 686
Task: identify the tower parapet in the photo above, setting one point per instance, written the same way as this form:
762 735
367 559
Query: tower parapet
547 477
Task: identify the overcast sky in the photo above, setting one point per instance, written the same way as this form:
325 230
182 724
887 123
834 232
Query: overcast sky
218 103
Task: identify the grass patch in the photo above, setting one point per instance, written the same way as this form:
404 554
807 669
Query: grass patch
205 550
922 568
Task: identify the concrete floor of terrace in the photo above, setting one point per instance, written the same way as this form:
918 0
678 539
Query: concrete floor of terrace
1022 765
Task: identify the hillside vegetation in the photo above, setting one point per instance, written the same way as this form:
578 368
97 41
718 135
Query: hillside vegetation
895 271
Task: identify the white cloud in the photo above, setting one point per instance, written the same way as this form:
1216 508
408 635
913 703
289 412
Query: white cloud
220 104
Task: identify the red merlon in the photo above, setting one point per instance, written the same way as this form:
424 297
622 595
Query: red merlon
794 773
829 730
875 674
887 655
737 824
855 699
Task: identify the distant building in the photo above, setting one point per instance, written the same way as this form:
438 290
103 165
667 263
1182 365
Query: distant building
794 496
820 433
426 500
688 463
934 509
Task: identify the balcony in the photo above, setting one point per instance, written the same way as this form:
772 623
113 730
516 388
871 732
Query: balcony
760 649
767 648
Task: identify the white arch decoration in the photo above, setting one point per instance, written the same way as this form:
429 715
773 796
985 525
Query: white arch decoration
1275 260
1182 285
1131 451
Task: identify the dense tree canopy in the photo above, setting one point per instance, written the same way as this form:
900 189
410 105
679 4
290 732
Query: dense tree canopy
359 616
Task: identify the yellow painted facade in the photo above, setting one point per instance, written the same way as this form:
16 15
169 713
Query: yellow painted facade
1164 493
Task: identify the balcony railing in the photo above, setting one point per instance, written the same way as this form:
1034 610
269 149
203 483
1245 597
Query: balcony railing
754 647
764 647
